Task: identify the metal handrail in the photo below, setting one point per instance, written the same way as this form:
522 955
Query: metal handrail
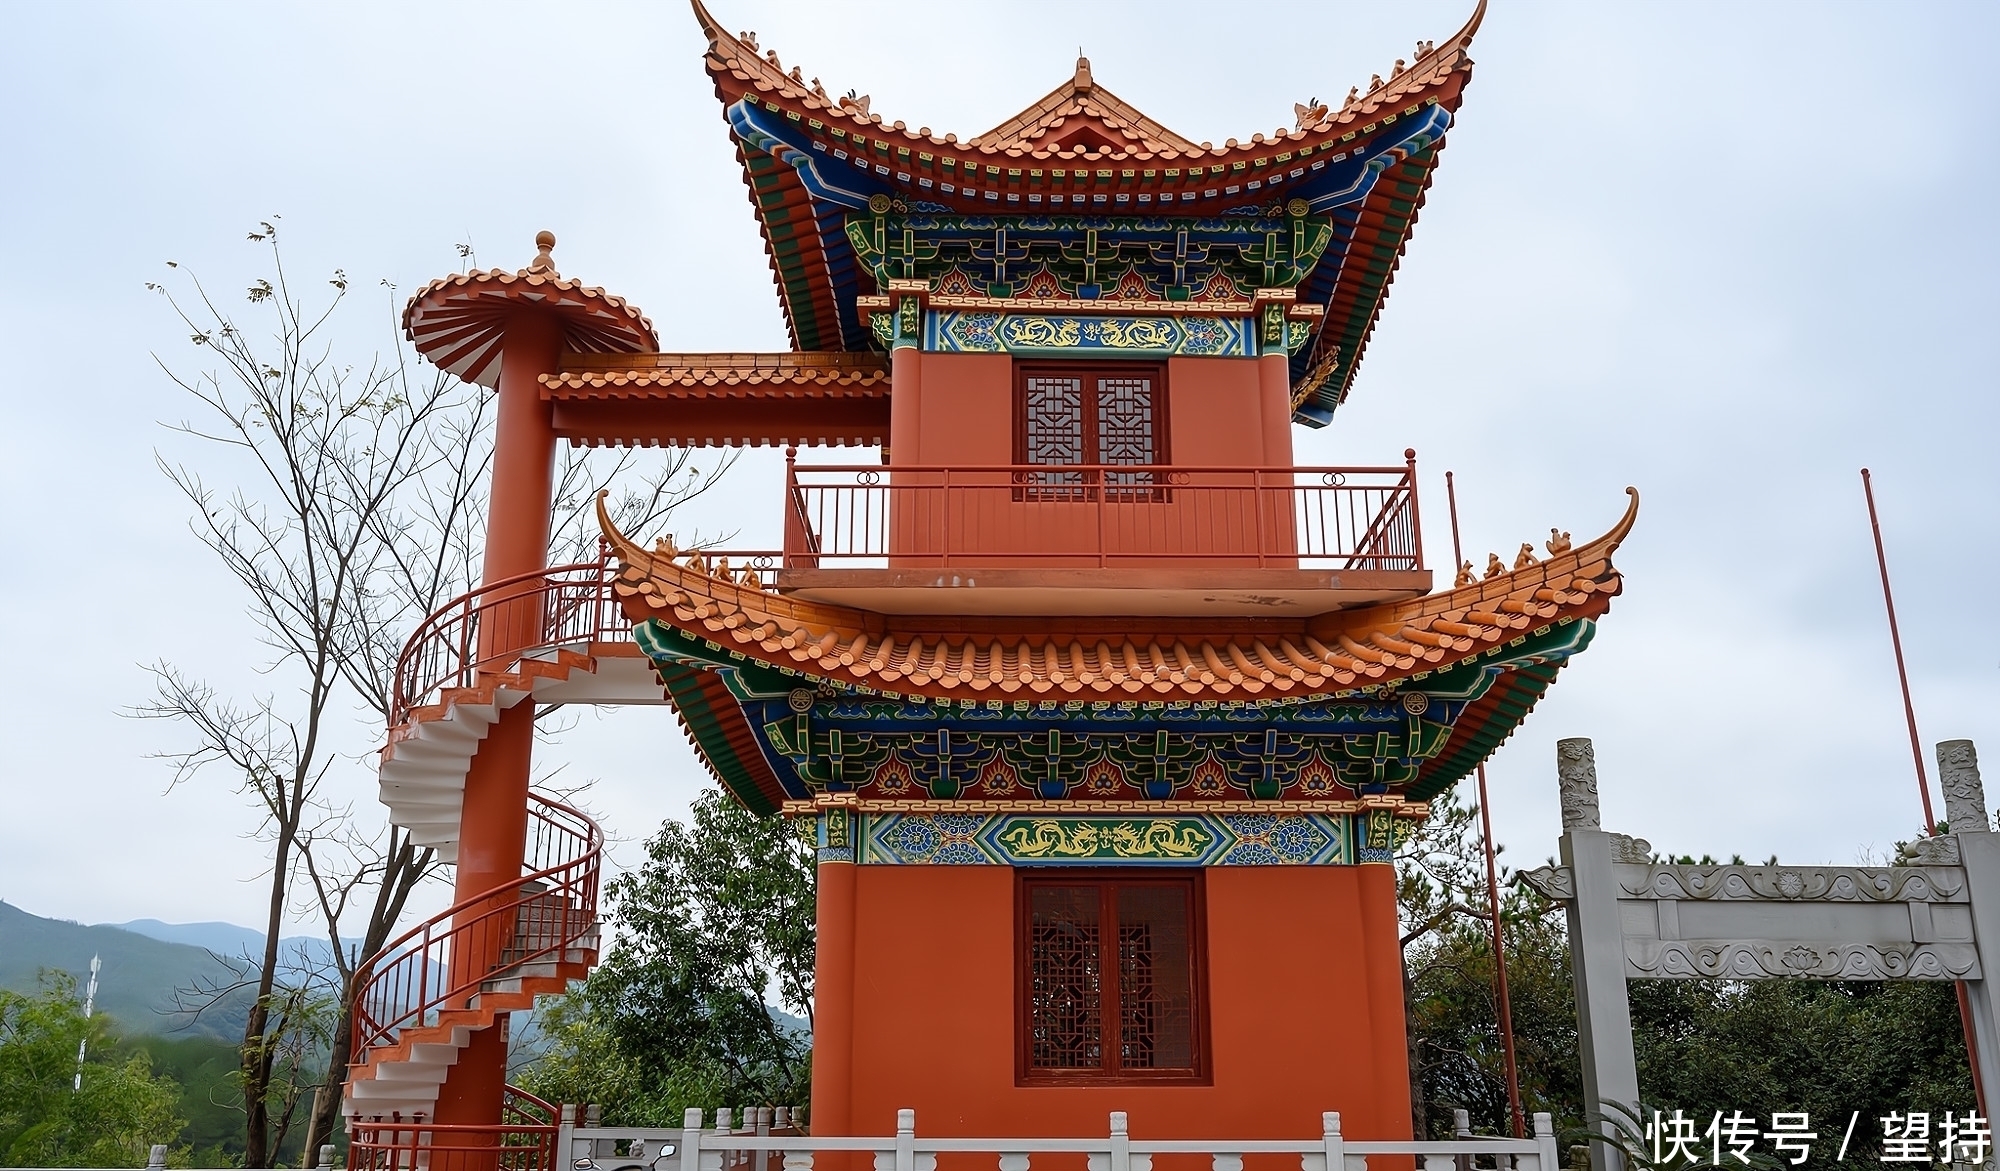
1353 518
523 1140
574 606
442 962
570 605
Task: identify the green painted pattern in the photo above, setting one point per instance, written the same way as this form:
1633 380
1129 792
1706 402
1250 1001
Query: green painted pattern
706 726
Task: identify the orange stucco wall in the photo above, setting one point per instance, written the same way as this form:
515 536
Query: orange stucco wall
964 411
957 411
965 414
1213 416
1305 1011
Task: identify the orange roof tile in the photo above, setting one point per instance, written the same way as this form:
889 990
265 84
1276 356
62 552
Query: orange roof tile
708 375
460 321
1032 133
1332 653
1080 105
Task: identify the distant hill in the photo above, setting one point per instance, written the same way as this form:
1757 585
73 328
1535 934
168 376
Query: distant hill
136 983
228 940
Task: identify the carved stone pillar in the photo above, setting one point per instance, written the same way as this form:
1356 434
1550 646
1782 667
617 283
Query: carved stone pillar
1597 949
1979 853
1576 780
1964 795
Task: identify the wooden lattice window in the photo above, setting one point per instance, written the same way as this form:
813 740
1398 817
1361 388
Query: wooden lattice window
1091 1015
1087 416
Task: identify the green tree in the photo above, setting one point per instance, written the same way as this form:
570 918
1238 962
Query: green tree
1829 1049
715 930
48 1118
1455 1022
1441 905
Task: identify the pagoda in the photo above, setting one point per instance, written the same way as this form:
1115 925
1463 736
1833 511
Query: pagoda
1107 716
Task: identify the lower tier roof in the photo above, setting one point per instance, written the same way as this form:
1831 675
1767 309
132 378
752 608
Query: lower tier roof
1400 699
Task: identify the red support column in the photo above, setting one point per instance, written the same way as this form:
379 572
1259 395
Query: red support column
833 990
471 1096
1278 539
1382 952
494 819
524 446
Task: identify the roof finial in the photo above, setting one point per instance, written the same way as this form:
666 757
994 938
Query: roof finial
545 243
1082 81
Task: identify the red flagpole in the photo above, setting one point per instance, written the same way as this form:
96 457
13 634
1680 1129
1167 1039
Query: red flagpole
1505 1004
1896 640
1917 755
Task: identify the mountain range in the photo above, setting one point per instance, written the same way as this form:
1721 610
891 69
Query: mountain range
144 963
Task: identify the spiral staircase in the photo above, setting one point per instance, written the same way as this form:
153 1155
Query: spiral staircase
425 996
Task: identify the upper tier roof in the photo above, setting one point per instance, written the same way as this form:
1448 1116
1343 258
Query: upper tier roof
812 159
1078 114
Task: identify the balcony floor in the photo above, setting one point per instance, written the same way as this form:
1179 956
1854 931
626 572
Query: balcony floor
1125 592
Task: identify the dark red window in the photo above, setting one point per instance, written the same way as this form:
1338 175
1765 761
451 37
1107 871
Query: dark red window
1089 415
1111 979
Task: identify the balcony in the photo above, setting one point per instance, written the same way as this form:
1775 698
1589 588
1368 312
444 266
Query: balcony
1101 540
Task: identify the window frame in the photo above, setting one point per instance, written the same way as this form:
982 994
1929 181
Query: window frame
1089 370
1192 880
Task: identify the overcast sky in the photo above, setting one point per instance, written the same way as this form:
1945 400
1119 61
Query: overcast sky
1727 253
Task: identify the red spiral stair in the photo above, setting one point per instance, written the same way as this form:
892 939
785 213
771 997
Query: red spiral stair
561 626
422 998
425 995
556 635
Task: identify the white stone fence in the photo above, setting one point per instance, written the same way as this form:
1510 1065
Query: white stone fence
760 1145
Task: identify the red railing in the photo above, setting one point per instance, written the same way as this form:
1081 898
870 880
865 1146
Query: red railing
861 516
524 1140
439 964
562 606
497 625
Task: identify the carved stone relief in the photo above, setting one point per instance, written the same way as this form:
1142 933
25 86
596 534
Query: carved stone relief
1958 775
1754 959
1938 851
1576 778
1848 884
1556 883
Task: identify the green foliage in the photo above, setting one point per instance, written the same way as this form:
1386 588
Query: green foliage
1703 1046
1454 1019
1826 1048
714 928
120 1111
209 1073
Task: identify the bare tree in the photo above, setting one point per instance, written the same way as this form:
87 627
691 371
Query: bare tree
360 509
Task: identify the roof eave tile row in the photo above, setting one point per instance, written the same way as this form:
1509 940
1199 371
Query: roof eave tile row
1336 653
746 375
460 322
729 61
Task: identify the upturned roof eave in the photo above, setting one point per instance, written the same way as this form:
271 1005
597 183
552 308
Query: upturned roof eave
1448 61
1343 653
